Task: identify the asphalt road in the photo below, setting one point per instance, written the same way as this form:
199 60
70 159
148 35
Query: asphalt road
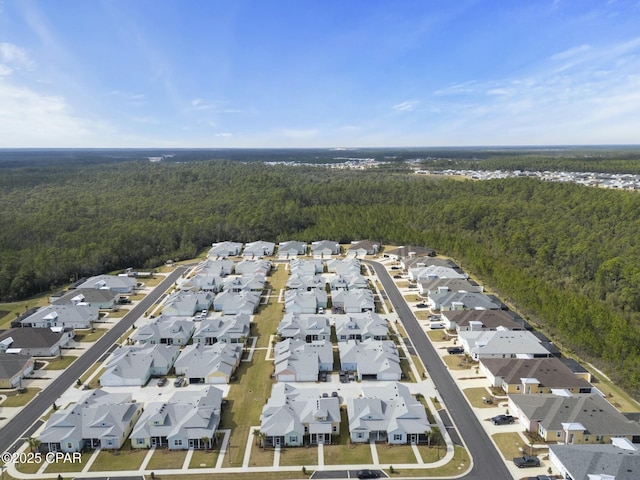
17 426
487 462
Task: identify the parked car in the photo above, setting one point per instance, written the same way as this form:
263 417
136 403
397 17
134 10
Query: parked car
503 420
455 350
334 394
368 474
526 461
178 382
162 381
343 377
397 276
421 305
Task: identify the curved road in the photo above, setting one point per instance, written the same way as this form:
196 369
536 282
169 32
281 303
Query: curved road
19 424
487 462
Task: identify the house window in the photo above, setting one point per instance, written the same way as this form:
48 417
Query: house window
140 441
178 443
599 438
586 438
293 439
335 428
110 443
517 388
360 435
397 436
558 434
69 445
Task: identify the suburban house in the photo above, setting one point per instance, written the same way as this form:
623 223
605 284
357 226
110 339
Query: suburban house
166 331
213 364
226 329
298 361
135 365
532 375
65 316
296 417
252 283
342 266
325 249
99 420
103 298
445 299
363 248
573 419
305 267
291 249
433 272
427 287
37 342
353 301
224 250
258 249
253 267
306 327
203 282
182 304
424 261
188 420
297 281
348 282
219 267
619 460
13 368
388 414
301 301
361 326
117 283
408 251
502 344
477 320
371 359
230 303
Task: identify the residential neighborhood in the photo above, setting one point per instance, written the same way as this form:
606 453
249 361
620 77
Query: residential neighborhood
337 366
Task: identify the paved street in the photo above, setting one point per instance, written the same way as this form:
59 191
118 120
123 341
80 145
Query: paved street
43 401
487 462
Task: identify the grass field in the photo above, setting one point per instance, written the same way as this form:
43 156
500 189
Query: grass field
64 467
20 399
124 459
395 454
299 456
475 396
204 458
61 363
510 443
163 458
88 335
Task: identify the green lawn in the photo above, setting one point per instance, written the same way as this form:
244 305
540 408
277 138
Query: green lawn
299 456
163 459
437 335
123 459
204 458
509 444
88 335
475 396
20 399
457 362
395 454
62 467
345 452
61 363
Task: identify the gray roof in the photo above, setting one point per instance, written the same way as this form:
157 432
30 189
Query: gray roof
12 364
31 337
87 295
593 412
110 281
491 319
465 300
550 372
582 461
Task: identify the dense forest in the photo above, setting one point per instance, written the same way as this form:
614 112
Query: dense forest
566 255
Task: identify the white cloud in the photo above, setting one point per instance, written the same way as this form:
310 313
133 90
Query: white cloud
224 134
5 71
405 106
572 52
14 55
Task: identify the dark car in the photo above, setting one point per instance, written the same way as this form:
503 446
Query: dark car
455 350
503 420
526 461
421 305
397 276
178 382
162 381
368 474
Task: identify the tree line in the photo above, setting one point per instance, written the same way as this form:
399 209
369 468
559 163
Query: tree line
565 254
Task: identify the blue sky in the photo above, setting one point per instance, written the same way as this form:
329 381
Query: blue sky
327 73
